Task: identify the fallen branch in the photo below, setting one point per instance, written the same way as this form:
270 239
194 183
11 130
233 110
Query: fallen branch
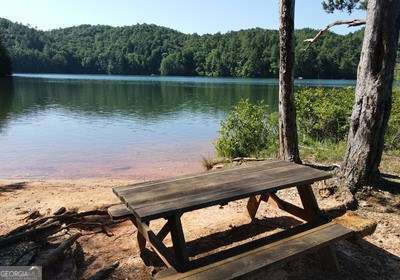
34 214
62 218
243 159
60 211
208 164
349 23
59 252
37 233
47 226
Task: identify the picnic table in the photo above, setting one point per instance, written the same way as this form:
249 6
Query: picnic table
170 199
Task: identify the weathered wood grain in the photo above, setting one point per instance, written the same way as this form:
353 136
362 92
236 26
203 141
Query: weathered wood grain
162 199
266 256
119 212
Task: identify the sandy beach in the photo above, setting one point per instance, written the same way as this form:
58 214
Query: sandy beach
228 225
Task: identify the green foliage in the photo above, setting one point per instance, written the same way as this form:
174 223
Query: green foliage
397 74
324 113
150 49
349 5
246 131
5 63
392 137
323 117
322 150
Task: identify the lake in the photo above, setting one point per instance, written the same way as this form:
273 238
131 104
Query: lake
74 126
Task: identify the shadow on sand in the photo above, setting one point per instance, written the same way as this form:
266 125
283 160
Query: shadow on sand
13 187
390 183
358 260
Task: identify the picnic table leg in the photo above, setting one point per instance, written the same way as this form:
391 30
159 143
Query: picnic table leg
254 202
311 208
328 259
309 202
178 241
141 240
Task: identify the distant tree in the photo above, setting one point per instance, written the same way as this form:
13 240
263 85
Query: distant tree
142 48
172 64
5 62
288 139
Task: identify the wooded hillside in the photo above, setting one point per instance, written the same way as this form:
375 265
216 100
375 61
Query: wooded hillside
151 49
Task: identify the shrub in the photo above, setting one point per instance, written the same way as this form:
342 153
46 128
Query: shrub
324 113
247 130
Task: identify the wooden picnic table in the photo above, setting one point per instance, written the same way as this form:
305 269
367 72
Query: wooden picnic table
170 199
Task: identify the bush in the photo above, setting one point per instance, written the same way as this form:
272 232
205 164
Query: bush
323 117
246 131
324 113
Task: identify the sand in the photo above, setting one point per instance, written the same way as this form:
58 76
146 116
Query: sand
375 257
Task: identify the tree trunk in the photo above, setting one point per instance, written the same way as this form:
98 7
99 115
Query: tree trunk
373 94
288 140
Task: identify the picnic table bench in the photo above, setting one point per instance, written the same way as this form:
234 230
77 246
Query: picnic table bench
170 199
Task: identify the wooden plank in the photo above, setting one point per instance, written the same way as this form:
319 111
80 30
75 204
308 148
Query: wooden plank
309 202
219 195
164 231
161 250
360 225
178 241
266 256
290 208
172 188
282 176
119 212
313 213
328 259
141 239
215 181
253 203
159 184
217 185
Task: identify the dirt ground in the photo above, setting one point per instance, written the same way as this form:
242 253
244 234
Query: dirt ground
374 257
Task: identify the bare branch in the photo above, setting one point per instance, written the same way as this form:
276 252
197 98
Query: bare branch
349 23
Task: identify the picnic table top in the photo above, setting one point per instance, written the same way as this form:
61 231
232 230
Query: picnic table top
160 199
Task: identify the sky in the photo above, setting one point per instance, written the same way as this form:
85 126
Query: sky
189 16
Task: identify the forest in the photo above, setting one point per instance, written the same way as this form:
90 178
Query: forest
5 62
145 49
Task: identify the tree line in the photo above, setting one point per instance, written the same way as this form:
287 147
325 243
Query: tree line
145 49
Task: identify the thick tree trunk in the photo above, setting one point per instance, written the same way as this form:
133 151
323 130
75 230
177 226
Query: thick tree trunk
288 140
373 94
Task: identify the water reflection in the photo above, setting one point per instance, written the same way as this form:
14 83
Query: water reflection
83 126
6 101
144 100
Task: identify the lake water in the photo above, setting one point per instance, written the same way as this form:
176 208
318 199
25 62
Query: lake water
72 126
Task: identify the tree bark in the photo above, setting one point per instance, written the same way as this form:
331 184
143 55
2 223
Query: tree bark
288 139
373 94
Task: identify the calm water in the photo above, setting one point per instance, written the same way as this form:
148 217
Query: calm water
66 126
